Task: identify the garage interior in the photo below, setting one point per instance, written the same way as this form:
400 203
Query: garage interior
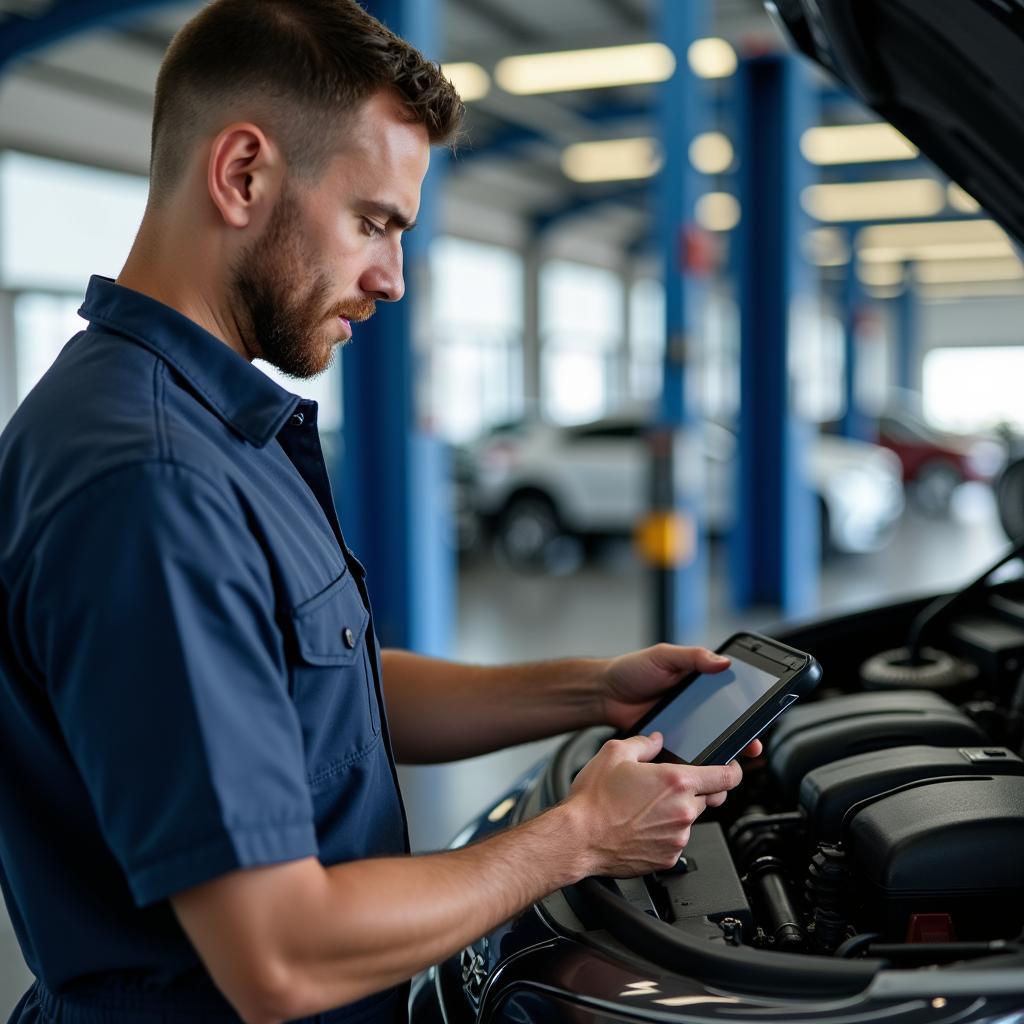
662 227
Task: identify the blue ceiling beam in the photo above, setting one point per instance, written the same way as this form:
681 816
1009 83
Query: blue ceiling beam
21 35
582 203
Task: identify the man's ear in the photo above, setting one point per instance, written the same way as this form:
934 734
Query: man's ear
242 173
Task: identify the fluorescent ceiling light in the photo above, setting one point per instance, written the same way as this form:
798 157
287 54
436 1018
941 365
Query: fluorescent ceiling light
948 271
611 160
826 247
874 200
711 58
855 144
947 251
711 153
881 275
717 211
961 200
601 68
470 80
931 232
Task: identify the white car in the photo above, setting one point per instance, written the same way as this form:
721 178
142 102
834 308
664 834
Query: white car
533 482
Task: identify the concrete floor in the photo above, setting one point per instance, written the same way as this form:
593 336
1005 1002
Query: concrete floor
600 611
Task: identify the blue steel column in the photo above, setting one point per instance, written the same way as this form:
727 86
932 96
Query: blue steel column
907 376
775 541
681 589
854 423
394 482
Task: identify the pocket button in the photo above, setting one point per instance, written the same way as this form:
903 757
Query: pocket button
348 637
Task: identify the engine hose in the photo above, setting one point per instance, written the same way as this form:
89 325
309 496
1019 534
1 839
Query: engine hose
827 881
768 882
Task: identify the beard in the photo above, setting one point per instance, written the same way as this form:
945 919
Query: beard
282 303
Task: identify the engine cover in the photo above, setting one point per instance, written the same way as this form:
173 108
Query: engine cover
828 794
828 730
946 846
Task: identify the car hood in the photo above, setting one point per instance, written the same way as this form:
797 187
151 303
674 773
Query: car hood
949 74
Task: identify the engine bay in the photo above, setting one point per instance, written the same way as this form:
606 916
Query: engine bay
883 824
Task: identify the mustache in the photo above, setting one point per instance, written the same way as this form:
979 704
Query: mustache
356 311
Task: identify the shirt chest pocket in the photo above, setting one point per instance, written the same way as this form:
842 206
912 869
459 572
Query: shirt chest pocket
332 681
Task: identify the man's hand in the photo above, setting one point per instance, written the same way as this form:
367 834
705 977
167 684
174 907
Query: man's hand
636 817
633 683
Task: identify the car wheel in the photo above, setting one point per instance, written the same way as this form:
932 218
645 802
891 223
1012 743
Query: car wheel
528 531
1010 499
934 486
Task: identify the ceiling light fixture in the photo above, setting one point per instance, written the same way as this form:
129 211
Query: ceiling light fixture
612 160
960 199
874 200
601 68
930 232
717 211
855 144
711 58
471 81
711 153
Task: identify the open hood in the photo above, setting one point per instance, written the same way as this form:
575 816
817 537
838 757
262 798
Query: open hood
949 74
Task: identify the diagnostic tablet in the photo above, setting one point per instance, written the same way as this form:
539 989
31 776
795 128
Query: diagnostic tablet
710 717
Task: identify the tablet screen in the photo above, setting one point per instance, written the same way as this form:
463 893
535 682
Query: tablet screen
708 707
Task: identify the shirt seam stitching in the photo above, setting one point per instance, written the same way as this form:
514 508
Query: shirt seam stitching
269 828
101 478
221 411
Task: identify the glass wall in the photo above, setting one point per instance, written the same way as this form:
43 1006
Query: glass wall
581 330
477 343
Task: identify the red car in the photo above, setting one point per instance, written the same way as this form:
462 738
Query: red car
935 462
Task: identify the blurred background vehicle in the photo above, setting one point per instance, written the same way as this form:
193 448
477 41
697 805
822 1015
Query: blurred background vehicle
934 461
533 484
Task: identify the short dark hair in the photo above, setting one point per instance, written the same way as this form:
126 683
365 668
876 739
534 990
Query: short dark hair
300 66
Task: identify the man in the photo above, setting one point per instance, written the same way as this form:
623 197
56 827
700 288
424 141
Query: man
199 815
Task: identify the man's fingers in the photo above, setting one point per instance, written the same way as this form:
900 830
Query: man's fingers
715 778
753 749
639 747
690 659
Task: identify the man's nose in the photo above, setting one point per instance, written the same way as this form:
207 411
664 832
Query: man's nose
384 279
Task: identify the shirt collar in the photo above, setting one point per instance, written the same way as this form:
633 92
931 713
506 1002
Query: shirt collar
244 397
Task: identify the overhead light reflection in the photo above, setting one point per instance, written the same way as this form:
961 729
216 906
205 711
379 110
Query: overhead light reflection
471 81
717 211
874 200
600 68
612 160
711 58
711 153
855 144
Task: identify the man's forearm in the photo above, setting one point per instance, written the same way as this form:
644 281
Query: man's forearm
303 939
443 711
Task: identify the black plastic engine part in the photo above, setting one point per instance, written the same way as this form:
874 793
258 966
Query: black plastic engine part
996 647
948 847
829 792
931 670
766 879
818 733
828 879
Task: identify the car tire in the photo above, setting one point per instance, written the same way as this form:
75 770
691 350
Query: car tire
1010 499
528 529
934 485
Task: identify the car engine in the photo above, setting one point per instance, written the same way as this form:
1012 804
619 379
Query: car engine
884 820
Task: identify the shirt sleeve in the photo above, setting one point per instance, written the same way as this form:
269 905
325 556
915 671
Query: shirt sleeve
151 612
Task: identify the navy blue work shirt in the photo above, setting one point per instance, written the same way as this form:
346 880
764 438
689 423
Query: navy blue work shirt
189 677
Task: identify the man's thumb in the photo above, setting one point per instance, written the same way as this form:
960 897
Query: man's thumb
647 747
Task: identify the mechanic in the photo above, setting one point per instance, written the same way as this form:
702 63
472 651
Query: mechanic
199 811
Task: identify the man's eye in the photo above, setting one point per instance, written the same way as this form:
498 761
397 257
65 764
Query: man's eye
372 229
